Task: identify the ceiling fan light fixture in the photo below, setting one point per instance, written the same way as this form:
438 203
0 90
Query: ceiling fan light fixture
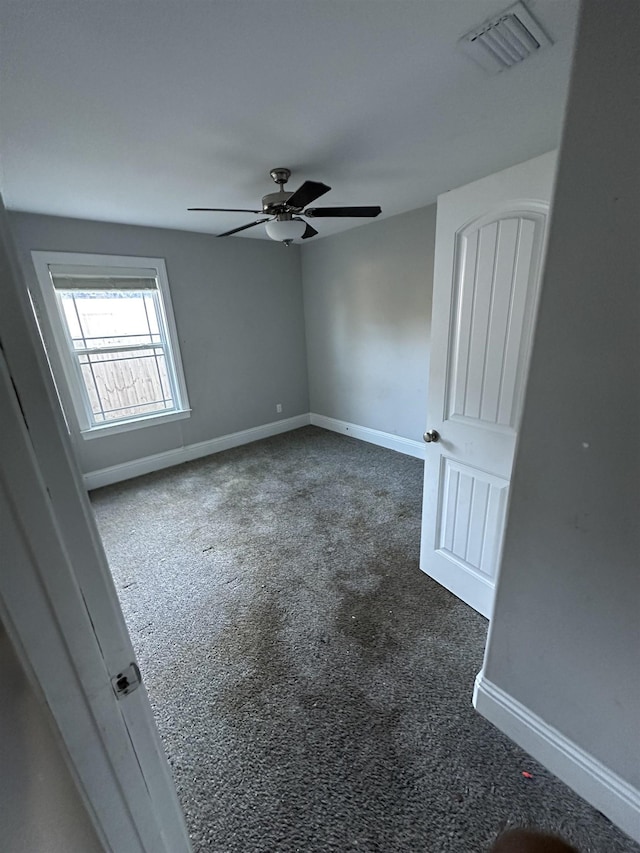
285 230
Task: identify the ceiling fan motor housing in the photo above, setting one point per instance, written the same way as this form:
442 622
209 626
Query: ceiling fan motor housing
274 203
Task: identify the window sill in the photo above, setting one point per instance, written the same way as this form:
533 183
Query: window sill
134 423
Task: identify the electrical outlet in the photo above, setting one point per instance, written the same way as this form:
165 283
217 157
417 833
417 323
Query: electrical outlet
278 408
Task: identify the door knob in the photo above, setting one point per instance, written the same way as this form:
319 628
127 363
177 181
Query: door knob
431 435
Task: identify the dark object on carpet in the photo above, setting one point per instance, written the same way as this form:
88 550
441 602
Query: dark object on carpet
529 841
313 687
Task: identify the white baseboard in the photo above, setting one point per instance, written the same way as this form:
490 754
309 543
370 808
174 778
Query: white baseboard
137 467
147 464
374 436
606 791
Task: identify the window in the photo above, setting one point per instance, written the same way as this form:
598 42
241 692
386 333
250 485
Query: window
112 328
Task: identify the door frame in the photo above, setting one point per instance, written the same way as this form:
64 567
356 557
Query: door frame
59 605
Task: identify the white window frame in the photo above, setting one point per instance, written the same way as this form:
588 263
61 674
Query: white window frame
64 361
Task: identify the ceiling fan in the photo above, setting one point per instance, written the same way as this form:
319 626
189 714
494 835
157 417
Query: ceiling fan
284 210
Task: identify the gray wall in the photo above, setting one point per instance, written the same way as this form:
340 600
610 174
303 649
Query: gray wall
367 303
239 314
40 809
565 637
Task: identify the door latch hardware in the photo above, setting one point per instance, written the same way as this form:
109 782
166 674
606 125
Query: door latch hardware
125 682
431 435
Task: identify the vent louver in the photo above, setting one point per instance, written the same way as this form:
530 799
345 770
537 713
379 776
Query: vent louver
505 40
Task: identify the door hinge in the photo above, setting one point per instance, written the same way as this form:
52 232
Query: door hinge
125 682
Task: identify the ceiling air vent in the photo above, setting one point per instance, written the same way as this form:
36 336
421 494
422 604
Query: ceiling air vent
505 40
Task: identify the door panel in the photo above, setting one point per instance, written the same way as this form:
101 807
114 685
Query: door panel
489 249
491 313
470 514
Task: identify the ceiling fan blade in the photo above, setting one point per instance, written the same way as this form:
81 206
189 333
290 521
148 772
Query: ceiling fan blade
343 211
308 192
225 209
244 227
310 232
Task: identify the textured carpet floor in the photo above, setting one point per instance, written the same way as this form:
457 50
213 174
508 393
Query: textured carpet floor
312 687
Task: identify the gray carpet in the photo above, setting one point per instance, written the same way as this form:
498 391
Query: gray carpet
311 685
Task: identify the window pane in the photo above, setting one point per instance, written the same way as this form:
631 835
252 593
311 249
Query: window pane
127 384
111 318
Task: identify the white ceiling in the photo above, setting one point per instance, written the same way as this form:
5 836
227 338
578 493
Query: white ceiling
133 111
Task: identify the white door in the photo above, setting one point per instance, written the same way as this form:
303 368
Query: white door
59 605
489 250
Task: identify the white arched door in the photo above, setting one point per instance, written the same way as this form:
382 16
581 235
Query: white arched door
489 252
